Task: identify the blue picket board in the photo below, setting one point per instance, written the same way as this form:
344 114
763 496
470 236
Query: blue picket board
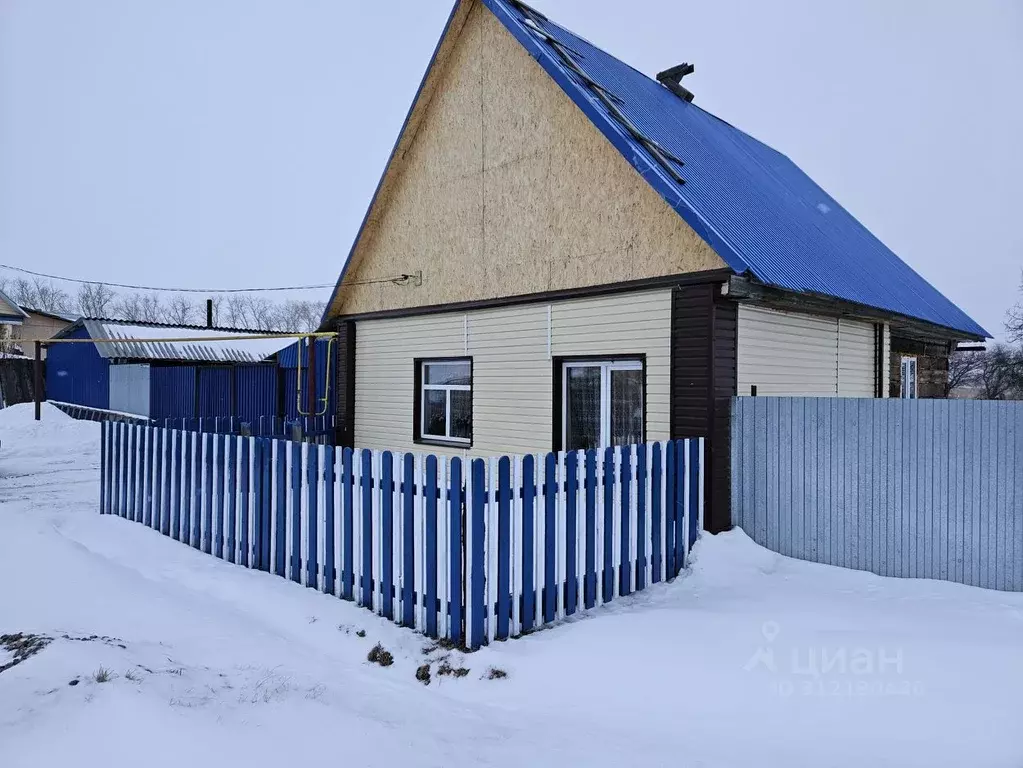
680 506
642 480
455 501
168 483
104 436
608 565
296 512
208 509
197 493
408 588
366 496
670 472
695 468
528 543
265 470
430 493
625 479
503 546
571 516
312 481
328 519
590 579
232 498
118 506
244 487
387 532
176 499
655 514
550 498
133 452
348 512
475 556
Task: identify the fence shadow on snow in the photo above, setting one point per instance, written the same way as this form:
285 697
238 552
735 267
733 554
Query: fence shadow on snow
469 551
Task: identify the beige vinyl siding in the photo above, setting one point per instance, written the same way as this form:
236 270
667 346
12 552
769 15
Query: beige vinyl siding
886 361
638 325
512 366
785 353
789 353
856 359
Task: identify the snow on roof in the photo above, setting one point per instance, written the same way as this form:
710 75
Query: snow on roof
247 347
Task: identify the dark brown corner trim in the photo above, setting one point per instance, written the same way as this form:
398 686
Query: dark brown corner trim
691 278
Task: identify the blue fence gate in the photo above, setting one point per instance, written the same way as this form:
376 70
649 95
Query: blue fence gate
470 551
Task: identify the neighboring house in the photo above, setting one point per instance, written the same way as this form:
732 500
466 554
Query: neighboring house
11 318
564 253
112 370
39 326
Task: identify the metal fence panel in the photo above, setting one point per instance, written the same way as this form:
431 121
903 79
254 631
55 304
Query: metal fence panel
910 488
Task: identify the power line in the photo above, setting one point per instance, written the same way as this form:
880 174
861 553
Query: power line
129 286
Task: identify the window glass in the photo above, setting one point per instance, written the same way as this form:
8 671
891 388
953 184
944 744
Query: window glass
434 412
446 373
626 407
582 411
461 414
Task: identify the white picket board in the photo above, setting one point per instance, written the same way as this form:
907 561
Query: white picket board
539 539
357 586
515 546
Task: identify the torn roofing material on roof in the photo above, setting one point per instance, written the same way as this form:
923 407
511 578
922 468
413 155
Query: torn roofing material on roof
756 208
201 348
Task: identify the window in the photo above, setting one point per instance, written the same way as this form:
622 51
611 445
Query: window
908 378
602 403
444 401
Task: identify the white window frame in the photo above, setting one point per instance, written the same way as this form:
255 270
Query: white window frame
447 389
606 366
907 362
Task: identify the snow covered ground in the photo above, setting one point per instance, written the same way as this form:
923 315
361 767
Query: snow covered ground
750 659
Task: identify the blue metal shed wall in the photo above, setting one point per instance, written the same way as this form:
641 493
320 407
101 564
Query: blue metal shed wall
255 391
75 373
172 391
214 391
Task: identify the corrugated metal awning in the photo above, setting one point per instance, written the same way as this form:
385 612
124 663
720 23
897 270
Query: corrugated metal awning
201 347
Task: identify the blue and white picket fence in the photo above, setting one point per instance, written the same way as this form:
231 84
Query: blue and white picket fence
469 551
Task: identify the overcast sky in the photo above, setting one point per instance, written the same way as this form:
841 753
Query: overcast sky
218 143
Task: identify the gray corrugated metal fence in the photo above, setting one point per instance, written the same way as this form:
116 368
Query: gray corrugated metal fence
913 488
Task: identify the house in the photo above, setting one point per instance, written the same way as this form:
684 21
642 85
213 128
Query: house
564 253
11 317
39 325
110 367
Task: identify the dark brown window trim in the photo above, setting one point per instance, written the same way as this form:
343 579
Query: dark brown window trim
557 441
417 403
691 278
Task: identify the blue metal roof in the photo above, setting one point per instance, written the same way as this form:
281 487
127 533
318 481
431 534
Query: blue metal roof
756 208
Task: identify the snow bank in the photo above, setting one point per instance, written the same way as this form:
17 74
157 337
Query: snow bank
750 659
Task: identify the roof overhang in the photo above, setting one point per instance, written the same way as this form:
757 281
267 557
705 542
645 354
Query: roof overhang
748 290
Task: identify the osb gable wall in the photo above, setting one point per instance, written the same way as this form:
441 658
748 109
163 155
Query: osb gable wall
508 189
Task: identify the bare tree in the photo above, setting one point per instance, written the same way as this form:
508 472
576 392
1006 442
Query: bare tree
180 310
40 294
95 299
129 307
964 369
1001 377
